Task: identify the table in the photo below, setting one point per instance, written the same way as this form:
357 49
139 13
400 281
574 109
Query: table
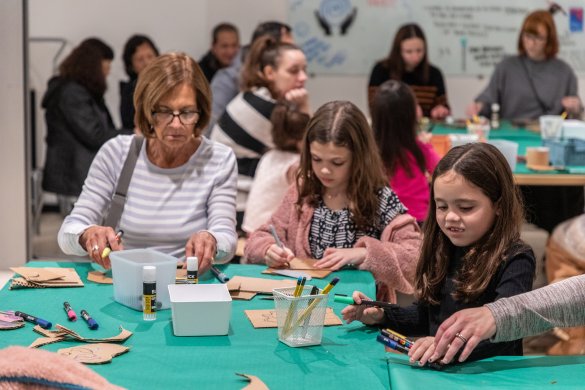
525 138
348 356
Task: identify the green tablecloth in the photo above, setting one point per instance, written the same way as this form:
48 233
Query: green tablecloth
524 137
349 356
502 372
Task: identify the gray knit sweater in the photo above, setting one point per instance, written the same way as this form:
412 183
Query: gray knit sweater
510 86
559 304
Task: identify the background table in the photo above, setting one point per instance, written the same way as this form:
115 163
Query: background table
525 138
348 357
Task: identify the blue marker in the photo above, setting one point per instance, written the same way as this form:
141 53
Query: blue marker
35 320
90 321
223 278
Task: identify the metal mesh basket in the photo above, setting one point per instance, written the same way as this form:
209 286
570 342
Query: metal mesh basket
300 319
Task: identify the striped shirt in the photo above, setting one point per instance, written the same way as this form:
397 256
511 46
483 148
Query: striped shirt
245 127
164 207
559 304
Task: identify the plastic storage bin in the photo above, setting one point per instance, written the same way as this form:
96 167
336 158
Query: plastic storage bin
200 309
127 275
509 149
300 319
567 152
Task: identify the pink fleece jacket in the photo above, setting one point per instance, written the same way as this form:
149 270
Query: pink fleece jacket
392 259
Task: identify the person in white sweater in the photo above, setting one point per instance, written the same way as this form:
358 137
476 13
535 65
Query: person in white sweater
181 197
277 168
559 304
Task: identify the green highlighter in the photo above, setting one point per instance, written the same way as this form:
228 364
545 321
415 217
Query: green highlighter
350 301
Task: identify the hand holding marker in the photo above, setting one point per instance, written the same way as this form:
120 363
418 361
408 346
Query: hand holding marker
107 250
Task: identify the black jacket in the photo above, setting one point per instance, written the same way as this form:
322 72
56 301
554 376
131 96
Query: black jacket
77 126
209 64
127 103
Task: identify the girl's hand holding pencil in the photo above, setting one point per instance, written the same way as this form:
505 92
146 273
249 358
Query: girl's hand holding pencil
277 255
358 312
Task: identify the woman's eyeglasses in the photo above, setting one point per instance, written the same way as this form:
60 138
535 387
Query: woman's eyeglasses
163 118
534 37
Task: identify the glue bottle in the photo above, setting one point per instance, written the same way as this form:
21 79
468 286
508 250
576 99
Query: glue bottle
495 118
192 269
149 292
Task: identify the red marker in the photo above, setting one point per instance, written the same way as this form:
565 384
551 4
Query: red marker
70 313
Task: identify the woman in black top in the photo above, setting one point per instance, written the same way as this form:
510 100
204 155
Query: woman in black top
139 51
78 121
408 62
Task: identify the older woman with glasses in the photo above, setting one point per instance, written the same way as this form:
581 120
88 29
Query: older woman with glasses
534 82
182 193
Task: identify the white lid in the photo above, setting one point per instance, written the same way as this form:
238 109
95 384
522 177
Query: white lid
495 107
192 263
149 273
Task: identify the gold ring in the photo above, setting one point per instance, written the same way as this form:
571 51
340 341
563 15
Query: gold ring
460 337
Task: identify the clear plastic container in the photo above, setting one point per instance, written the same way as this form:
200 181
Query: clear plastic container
300 319
127 276
509 149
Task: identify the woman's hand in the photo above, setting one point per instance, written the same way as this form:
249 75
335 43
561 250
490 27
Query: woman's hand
439 112
473 109
277 257
204 246
571 104
335 258
94 239
472 325
300 98
422 350
366 314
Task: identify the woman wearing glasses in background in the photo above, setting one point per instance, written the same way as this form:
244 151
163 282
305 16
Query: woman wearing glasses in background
181 198
534 82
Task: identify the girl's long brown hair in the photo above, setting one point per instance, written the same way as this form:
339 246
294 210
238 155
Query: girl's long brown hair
483 166
342 123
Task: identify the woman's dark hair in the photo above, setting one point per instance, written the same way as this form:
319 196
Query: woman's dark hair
394 61
130 48
394 123
84 65
288 126
483 166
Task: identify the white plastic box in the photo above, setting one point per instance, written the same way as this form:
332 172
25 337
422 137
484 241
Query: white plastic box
127 274
509 149
200 309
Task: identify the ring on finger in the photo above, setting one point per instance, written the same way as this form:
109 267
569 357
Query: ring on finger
95 248
460 337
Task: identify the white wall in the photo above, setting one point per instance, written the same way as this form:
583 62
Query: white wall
13 169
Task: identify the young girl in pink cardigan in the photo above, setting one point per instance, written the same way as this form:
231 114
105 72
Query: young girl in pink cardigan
341 211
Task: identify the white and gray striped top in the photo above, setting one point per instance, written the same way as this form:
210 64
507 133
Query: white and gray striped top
163 206
559 304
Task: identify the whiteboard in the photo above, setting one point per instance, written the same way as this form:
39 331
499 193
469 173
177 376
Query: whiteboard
465 37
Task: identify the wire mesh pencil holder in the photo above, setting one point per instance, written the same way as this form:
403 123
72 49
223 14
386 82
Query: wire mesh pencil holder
300 319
